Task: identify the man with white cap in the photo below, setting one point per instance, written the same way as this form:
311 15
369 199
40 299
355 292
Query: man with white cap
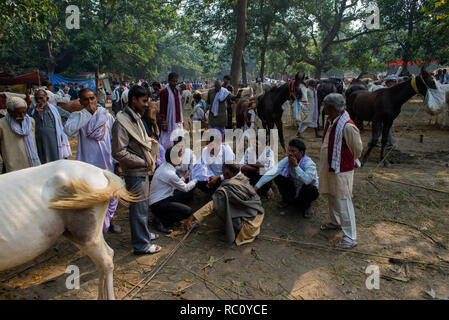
17 138
391 80
52 142
341 147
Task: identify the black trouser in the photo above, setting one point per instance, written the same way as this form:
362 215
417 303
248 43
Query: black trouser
116 106
229 111
173 209
254 177
202 185
306 196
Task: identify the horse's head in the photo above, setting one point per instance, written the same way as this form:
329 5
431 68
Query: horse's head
424 81
298 88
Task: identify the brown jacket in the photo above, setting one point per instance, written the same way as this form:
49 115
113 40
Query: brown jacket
128 151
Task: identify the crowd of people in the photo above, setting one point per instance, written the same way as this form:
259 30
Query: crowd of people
161 166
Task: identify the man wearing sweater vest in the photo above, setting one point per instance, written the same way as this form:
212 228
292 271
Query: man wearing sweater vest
341 148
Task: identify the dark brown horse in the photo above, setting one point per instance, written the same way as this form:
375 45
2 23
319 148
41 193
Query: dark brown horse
325 87
384 105
269 105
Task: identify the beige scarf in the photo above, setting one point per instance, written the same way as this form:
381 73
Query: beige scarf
150 146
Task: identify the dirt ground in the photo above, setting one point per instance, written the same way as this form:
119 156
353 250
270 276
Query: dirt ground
291 259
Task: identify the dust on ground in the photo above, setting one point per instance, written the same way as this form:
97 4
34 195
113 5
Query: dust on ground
291 259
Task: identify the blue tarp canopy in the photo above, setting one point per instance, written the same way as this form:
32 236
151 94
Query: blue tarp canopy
87 83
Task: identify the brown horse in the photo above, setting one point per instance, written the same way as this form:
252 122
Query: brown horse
269 105
242 110
384 105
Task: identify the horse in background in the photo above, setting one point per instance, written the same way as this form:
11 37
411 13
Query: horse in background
269 105
325 87
241 111
384 105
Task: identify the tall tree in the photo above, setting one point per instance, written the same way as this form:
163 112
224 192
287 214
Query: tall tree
321 27
237 55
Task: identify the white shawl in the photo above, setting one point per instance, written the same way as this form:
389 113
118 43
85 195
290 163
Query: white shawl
171 109
219 97
63 142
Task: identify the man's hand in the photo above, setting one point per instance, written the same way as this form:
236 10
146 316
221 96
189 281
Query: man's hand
188 223
256 189
186 176
39 108
91 107
293 161
213 181
118 170
164 126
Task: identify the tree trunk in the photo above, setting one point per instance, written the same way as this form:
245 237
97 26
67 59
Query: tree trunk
318 69
241 10
244 80
51 64
97 77
263 50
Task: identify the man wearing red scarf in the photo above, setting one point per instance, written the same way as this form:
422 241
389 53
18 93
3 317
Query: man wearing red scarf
341 148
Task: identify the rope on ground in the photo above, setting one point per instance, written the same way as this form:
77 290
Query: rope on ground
153 273
409 184
354 252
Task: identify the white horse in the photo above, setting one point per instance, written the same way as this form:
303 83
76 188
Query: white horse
444 110
64 198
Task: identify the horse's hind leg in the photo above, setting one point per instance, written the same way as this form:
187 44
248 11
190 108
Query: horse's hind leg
377 128
385 131
85 229
281 132
102 255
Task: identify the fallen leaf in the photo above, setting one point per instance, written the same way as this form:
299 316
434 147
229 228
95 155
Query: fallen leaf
174 234
238 283
435 295
188 280
256 255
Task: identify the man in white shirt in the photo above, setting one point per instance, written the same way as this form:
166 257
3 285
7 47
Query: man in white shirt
296 178
255 163
170 194
208 171
188 158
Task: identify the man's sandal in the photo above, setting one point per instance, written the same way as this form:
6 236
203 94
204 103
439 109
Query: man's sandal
329 226
154 248
344 244
308 213
153 236
283 205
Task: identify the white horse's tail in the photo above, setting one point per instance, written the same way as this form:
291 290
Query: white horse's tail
78 194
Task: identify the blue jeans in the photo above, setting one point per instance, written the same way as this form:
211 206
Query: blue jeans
138 213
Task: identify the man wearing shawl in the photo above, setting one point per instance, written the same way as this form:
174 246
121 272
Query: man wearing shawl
306 112
170 110
93 127
341 148
217 98
236 204
296 178
17 139
137 153
52 142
